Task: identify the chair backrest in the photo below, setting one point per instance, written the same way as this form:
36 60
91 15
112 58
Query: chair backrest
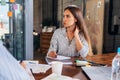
45 39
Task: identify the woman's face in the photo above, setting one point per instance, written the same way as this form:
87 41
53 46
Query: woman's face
68 19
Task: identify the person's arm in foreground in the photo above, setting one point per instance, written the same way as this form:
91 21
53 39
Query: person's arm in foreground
10 69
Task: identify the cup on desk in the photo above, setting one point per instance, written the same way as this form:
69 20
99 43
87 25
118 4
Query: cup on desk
57 67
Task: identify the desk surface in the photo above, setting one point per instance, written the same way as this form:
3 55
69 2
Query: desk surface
102 58
76 72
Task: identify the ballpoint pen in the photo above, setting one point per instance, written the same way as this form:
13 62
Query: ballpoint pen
31 71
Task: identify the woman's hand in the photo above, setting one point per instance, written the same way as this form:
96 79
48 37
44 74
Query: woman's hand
23 64
52 54
78 42
76 32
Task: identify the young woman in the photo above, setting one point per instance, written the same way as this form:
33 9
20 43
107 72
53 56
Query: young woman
72 39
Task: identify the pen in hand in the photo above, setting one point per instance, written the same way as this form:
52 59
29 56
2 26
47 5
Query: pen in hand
22 64
31 71
52 54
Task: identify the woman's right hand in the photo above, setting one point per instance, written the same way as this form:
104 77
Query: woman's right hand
23 64
52 54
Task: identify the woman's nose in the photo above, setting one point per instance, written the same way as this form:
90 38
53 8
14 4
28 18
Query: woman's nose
64 19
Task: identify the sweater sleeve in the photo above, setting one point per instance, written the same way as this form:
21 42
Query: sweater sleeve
84 51
53 43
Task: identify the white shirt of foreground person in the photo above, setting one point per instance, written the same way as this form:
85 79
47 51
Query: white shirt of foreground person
10 69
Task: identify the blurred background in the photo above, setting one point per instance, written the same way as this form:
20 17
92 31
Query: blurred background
26 26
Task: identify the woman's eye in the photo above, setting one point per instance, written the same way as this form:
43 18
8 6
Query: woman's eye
67 16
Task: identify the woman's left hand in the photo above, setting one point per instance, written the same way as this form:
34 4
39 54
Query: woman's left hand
76 32
23 64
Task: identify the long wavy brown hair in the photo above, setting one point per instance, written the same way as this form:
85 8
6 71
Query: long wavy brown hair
77 13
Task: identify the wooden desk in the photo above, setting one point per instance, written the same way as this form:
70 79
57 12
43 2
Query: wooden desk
76 72
102 58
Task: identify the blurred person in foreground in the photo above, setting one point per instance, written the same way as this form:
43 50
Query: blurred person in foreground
10 69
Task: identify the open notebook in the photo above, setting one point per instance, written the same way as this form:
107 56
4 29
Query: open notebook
98 72
64 59
35 67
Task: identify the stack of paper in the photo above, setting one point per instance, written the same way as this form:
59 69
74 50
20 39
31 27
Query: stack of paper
35 66
31 61
39 68
64 59
59 57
